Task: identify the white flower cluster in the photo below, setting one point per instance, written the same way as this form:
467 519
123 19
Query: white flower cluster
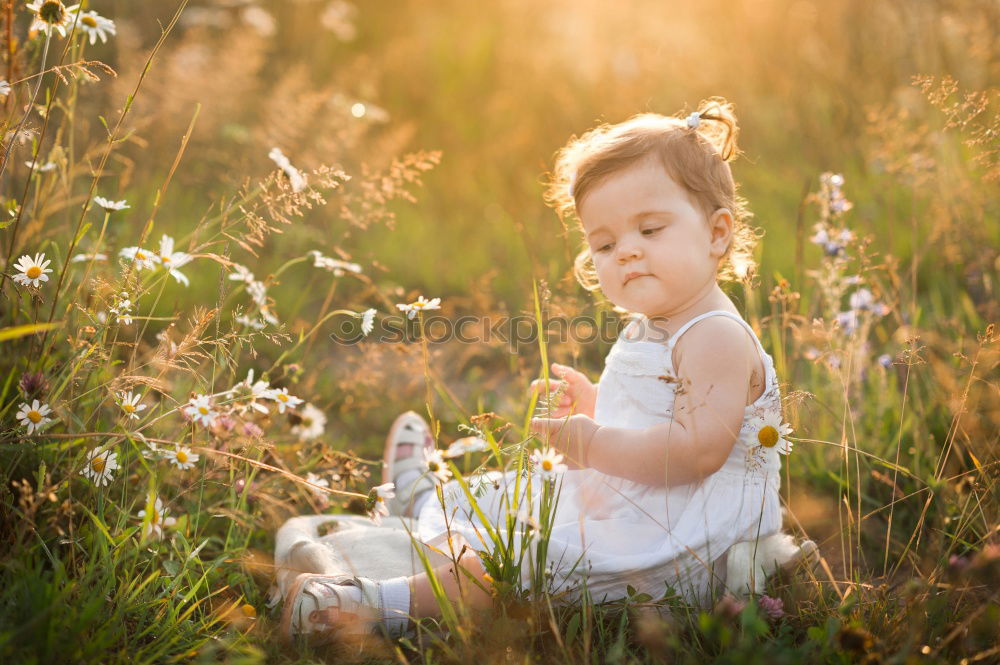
166 258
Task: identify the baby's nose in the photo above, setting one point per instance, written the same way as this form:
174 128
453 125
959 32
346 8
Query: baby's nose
627 252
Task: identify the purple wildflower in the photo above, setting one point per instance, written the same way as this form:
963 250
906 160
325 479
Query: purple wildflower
773 608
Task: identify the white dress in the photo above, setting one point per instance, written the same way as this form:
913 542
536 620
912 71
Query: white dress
614 533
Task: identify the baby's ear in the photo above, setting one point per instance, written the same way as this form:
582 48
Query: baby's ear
720 226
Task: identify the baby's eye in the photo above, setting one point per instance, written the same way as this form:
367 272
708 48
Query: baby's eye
604 248
649 232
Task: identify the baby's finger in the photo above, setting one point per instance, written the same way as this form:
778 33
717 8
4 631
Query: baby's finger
568 374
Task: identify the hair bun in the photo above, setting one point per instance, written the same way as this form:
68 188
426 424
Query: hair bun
723 130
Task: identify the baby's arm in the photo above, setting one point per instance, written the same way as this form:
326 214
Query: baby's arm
708 412
579 394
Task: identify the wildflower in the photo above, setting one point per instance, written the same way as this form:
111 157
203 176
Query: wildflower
51 15
258 292
33 384
885 360
35 416
41 168
110 206
96 26
419 305
295 177
548 464
241 274
142 258
182 457
528 520
862 299
156 520
4 88
32 271
729 606
848 320
199 409
773 608
823 239
368 321
100 465
122 309
435 464
252 323
336 265
80 258
375 505
768 431
172 260
252 430
319 481
129 402
284 400
311 424
467 444
249 391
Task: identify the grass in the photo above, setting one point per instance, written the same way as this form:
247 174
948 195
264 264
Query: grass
436 190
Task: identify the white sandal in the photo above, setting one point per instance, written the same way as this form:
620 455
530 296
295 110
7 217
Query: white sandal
408 428
319 608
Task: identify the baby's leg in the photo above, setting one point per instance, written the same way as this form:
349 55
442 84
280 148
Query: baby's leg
468 585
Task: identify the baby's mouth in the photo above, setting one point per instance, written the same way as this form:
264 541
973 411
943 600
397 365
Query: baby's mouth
633 275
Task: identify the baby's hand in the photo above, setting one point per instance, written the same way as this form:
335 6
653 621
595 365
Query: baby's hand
579 395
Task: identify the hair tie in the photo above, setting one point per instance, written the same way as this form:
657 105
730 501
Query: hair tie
694 120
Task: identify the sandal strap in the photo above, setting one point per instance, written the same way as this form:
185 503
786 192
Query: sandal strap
408 464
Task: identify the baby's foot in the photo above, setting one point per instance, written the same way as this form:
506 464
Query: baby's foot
403 462
320 607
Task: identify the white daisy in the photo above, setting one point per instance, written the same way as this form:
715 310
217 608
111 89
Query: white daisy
548 464
42 168
319 481
34 416
182 457
436 465
368 321
419 305
241 274
376 504
248 391
467 444
336 265
295 177
51 15
129 402
80 258
32 271
172 260
200 410
100 465
157 519
258 292
96 26
312 424
111 206
142 258
284 400
768 431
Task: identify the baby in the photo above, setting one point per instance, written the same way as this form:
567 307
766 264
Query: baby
674 454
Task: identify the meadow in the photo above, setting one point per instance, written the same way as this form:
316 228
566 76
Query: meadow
206 205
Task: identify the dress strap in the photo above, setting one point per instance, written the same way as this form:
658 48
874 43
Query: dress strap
684 328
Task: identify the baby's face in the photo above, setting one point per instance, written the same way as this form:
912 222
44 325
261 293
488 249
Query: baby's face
652 246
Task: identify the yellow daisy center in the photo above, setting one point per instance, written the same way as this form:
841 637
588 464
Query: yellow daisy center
165 259
128 408
34 272
34 416
282 398
768 436
547 465
140 256
202 410
182 457
433 466
249 611
89 21
98 464
155 517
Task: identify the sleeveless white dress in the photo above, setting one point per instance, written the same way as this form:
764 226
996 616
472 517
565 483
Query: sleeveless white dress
611 533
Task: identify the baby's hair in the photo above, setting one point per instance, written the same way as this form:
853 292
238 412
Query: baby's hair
697 158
